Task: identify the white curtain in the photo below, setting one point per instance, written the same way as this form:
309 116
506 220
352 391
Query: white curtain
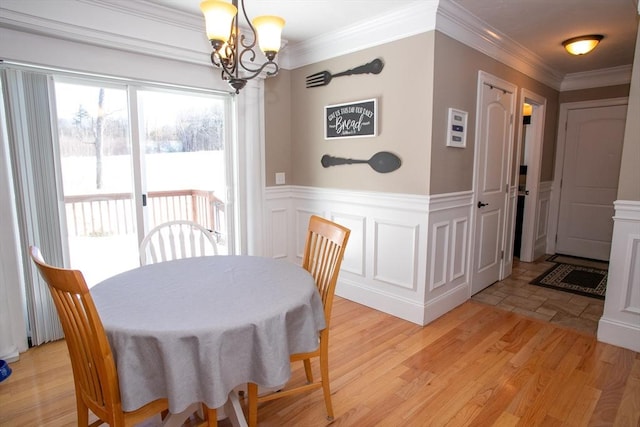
30 140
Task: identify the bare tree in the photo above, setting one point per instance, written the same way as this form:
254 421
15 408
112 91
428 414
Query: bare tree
99 138
88 129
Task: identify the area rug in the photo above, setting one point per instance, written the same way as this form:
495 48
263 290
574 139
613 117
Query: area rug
583 262
577 279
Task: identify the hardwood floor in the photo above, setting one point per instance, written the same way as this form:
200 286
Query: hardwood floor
477 365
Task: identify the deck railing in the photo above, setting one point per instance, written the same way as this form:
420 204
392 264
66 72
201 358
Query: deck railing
113 213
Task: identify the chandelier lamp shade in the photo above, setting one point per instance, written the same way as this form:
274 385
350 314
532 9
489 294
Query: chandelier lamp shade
583 44
235 53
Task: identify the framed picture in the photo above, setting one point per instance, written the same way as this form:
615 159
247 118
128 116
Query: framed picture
353 120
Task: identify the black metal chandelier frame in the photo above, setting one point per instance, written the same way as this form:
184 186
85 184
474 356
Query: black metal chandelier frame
239 54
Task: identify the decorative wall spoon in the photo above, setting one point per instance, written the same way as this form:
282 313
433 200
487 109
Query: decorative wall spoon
382 162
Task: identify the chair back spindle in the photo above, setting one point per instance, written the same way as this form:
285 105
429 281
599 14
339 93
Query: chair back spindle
177 240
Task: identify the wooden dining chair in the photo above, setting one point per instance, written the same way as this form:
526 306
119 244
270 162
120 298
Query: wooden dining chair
323 253
176 240
94 370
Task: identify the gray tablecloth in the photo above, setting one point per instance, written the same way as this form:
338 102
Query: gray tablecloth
193 329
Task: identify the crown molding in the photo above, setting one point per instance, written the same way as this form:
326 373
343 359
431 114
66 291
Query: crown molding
597 78
144 27
114 25
417 18
459 24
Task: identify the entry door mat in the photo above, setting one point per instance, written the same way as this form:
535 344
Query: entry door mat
583 262
587 281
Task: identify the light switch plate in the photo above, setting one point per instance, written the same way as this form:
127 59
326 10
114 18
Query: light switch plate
457 128
280 178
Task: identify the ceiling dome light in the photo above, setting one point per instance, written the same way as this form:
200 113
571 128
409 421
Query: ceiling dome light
582 45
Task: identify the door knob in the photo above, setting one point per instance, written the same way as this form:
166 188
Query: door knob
480 204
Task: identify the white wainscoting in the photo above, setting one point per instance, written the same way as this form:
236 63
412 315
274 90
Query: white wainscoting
407 254
620 322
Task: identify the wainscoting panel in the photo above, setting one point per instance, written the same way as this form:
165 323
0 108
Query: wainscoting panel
448 253
620 322
279 222
395 254
439 239
407 254
460 237
354 260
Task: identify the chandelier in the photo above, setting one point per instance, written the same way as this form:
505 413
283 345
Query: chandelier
233 52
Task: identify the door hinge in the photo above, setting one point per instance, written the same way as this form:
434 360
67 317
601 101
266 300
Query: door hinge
144 200
501 254
506 188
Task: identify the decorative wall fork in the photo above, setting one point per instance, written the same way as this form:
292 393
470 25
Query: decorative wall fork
323 78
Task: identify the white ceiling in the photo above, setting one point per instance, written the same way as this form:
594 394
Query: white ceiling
538 25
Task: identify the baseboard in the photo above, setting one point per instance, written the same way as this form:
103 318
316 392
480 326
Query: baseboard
420 314
445 303
382 301
619 334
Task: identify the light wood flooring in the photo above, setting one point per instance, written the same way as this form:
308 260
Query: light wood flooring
477 365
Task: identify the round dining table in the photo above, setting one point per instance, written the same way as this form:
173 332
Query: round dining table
193 329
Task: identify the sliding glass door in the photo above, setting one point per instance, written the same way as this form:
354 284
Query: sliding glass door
133 158
183 140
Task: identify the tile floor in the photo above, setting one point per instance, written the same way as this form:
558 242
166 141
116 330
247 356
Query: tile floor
561 308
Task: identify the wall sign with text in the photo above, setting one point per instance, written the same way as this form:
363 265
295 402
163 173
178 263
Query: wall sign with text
352 120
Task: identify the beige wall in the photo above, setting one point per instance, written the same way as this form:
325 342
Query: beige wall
278 127
456 76
404 93
629 184
618 91
423 76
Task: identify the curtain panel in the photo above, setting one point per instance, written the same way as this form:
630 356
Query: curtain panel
30 134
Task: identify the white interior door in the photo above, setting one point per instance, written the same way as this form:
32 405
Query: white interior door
591 168
532 159
494 132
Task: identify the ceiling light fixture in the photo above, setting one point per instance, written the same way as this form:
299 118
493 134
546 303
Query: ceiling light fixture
583 44
233 52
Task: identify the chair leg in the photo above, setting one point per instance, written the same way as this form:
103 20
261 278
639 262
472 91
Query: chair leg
252 391
307 370
83 412
211 414
324 372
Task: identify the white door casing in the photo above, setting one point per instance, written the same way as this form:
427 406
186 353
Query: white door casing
591 167
494 136
533 160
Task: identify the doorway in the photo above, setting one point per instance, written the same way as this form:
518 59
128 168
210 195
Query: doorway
132 158
529 243
494 136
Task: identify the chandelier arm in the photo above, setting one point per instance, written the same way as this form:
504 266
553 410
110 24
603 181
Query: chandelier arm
248 46
226 71
256 72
